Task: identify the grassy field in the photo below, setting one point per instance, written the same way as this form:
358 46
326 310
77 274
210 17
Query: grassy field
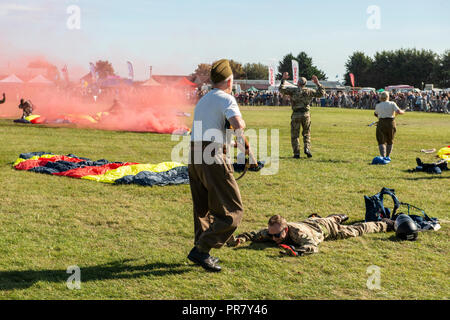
131 242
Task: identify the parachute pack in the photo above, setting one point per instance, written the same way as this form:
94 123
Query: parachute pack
375 211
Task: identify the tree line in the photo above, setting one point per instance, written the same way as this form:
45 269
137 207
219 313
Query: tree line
404 66
260 71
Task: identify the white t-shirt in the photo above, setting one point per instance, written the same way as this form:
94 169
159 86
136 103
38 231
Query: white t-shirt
210 114
386 109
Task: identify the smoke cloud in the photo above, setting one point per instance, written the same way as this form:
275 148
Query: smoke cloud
161 109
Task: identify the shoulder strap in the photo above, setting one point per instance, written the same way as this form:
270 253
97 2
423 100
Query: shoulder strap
427 218
391 192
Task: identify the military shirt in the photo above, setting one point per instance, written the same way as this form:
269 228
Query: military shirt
305 236
301 97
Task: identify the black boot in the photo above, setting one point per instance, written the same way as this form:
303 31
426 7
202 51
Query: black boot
204 259
308 153
390 224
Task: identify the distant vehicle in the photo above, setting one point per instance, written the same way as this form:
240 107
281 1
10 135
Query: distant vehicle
367 89
399 88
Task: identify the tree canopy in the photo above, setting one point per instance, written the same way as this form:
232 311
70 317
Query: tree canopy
404 66
305 66
104 69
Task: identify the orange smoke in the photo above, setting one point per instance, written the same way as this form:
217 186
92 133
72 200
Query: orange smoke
145 109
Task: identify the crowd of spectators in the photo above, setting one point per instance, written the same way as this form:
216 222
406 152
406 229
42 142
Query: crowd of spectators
410 101
429 101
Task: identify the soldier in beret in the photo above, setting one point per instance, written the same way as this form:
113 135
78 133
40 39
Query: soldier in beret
301 99
302 238
217 202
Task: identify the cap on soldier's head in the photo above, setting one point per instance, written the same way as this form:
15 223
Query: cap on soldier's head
302 81
220 71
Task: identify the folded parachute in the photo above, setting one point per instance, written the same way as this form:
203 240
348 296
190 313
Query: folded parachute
161 174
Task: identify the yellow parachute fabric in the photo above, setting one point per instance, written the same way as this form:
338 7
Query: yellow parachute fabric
46 156
32 117
112 175
444 153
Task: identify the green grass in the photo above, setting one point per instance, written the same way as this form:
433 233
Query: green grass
131 242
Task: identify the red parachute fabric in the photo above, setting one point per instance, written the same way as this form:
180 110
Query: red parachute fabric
91 171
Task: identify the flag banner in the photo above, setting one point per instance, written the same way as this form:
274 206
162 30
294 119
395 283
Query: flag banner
130 70
272 76
65 73
352 79
295 71
92 68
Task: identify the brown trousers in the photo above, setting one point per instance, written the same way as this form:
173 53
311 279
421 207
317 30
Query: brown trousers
386 130
218 208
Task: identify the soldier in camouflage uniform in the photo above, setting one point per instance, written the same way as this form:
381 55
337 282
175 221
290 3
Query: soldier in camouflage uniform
301 98
4 99
301 238
27 108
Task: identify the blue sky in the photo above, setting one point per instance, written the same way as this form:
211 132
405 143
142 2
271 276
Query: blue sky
174 36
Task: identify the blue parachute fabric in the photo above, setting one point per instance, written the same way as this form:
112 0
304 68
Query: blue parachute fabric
178 175
30 155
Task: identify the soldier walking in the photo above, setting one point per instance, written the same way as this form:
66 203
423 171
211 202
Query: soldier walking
301 99
217 203
302 238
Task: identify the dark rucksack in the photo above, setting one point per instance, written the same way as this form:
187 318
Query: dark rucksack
375 210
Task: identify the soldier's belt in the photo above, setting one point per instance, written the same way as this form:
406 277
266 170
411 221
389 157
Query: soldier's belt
303 110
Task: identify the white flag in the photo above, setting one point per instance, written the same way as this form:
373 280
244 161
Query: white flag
92 69
271 76
130 70
295 71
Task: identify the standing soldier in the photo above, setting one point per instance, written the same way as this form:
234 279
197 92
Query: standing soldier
302 238
217 203
301 98
4 99
386 111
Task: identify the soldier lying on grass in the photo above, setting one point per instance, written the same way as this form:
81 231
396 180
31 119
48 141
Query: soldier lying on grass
301 238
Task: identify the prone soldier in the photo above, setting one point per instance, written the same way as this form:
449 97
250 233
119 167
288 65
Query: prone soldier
301 99
302 238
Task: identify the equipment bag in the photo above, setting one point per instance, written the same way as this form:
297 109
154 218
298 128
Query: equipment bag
375 210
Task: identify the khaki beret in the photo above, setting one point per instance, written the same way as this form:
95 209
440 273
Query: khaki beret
220 70
302 81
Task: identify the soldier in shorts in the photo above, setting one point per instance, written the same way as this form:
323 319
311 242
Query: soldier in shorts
302 238
386 111
301 99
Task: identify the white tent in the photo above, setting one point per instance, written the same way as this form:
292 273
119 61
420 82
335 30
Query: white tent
40 79
151 83
11 79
